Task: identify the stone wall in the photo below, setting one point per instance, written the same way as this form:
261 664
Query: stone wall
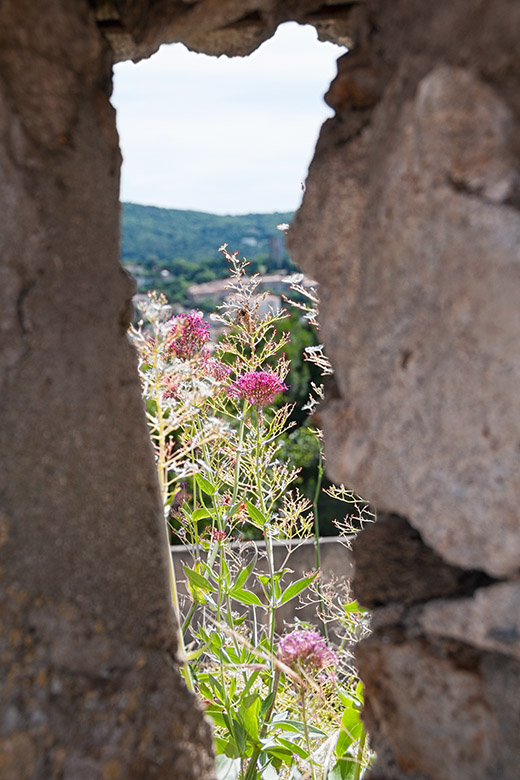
410 223
90 687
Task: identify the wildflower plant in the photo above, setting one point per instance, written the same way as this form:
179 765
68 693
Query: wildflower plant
216 424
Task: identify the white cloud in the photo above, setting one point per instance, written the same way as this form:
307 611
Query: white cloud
220 134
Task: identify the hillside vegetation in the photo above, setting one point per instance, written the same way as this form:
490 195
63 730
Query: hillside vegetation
169 249
151 234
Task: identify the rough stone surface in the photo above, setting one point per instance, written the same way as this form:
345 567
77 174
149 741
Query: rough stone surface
490 620
88 661
435 703
136 28
412 572
410 223
426 257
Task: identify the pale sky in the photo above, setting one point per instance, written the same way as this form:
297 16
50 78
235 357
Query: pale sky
227 136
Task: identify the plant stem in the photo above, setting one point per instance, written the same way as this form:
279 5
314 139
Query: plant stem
185 670
306 731
268 543
239 452
361 749
162 473
189 616
319 481
251 769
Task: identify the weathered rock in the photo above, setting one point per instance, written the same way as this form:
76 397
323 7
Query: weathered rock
232 27
410 223
490 620
406 225
412 572
88 652
435 705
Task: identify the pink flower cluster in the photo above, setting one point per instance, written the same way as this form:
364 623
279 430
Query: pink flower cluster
171 386
189 334
307 650
215 368
218 536
258 387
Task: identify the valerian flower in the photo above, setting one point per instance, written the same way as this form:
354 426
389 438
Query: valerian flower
215 368
259 388
170 386
306 651
189 334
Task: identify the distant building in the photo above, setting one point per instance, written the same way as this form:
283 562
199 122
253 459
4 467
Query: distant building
218 289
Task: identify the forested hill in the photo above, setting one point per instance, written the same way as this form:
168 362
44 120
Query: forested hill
153 235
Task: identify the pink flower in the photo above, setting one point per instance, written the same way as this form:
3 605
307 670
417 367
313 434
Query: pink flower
215 368
258 387
189 334
218 536
307 650
171 386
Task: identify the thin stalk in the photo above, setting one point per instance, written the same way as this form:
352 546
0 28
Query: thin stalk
239 452
185 670
162 473
306 731
189 616
268 542
319 482
251 769
361 750
272 604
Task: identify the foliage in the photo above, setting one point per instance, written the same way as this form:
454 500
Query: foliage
284 707
151 233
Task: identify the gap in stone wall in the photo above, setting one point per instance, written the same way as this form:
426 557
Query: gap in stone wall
224 135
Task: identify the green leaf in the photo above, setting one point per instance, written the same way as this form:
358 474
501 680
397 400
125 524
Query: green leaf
255 515
200 514
205 485
227 768
293 747
245 597
198 581
220 744
216 716
345 697
343 769
217 688
240 736
244 573
249 711
352 606
279 752
295 588
298 727
343 744
360 692
250 681
351 722
267 703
